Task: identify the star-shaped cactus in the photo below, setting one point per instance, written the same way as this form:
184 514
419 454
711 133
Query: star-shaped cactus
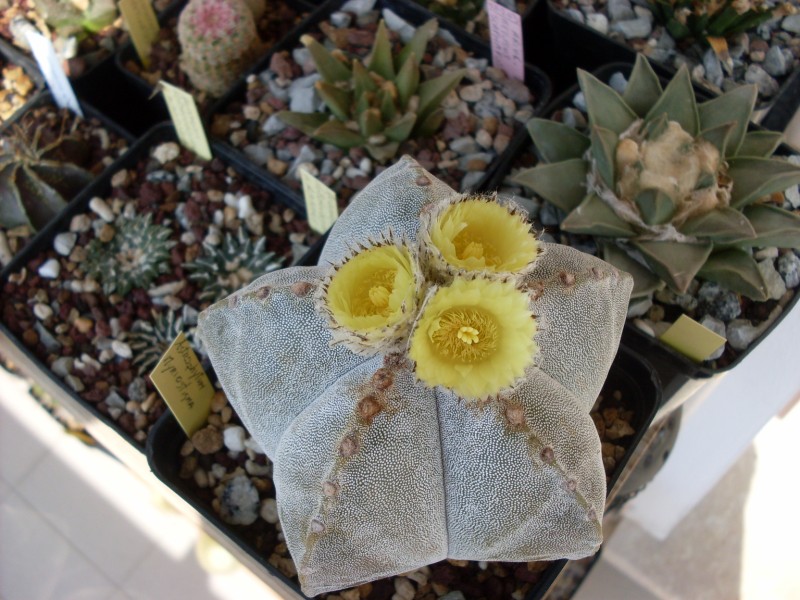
424 393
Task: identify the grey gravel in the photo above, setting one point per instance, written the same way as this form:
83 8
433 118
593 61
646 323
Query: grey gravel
767 86
598 22
717 327
239 504
137 390
713 68
741 333
618 82
633 28
789 268
718 302
791 23
620 10
776 63
773 280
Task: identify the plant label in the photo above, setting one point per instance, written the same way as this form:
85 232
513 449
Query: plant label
184 385
142 24
186 119
50 66
692 339
320 203
505 33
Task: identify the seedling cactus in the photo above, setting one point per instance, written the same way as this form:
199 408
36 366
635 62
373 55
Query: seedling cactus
458 11
703 19
218 42
673 190
425 392
377 104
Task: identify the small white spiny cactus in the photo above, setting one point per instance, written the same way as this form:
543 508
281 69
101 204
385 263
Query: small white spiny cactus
464 434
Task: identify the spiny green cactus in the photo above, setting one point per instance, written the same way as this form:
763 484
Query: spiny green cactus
150 339
135 256
231 265
415 412
67 19
37 182
378 104
673 189
218 42
701 19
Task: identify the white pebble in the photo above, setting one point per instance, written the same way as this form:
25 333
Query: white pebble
166 152
101 209
65 242
251 444
171 288
42 311
246 207
121 349
50 269
269 510
80 223
234 437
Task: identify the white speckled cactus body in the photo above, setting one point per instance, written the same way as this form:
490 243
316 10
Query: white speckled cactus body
378 472
218 42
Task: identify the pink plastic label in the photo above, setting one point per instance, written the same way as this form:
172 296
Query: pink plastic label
505 28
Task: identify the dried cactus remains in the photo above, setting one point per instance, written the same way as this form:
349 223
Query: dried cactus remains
421 404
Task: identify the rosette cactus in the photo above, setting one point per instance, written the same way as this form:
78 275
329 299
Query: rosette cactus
701 19
671 189
377 104
218 42
425 392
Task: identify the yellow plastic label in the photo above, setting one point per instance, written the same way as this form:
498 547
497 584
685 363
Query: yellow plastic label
186 119
320 203
692 339
142 24
184 385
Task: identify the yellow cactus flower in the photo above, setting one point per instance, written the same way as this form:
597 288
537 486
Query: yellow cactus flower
475 337
478 234
373 295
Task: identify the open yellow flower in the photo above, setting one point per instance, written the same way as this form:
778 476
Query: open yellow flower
479 235
475 337
371 298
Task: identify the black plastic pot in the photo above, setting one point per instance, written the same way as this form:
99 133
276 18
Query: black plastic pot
44 239
584 47
536 80
681 377
631 375
142 87
14 56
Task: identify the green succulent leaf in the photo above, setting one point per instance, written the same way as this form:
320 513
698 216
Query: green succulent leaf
555 141
644 88
652 130
676 263
401 129
407 81
678 103
370 122
381 60
754 178
595 217
737 271
41 201
416 46
386 102
382 152
335 132
562 184
308 123
719 136
737 106
330 68
12 210
429 125
773 227
655 206
433 92
604 148
644 280
723 226
760 144
362 82
335 98
605 106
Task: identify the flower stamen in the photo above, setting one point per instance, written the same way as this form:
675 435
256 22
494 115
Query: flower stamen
379 296
455 335
469 335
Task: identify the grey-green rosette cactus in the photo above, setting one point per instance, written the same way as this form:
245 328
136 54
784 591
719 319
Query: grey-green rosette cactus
377 104
672 189
416 412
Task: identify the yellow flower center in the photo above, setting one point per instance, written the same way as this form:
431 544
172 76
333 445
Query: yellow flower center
379 296
466 335
469 335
